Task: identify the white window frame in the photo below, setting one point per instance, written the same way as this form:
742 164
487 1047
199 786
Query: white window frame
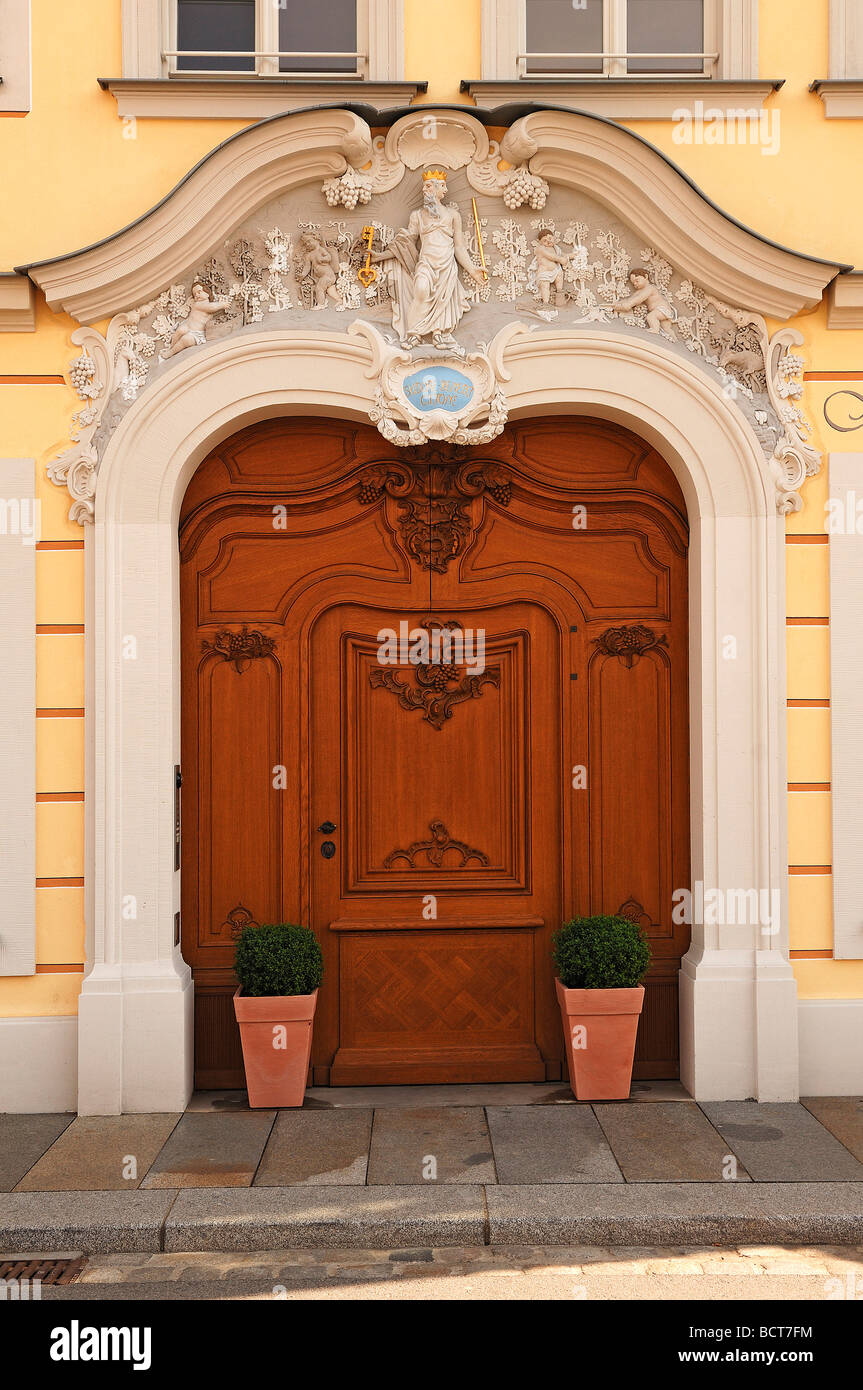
846 40
730 32
150 44
15 55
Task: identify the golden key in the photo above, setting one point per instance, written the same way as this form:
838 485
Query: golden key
367 274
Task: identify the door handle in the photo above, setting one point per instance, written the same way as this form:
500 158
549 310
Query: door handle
327 827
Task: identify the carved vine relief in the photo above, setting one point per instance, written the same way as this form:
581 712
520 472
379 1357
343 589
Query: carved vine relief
240 648
628 644
434 496
437 686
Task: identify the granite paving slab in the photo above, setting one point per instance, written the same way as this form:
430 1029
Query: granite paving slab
261 1218
444 1144
675 1214
316 1146
666 1142
99 1153
659 1091
782 1142
23 1140
421 1097
843 1116
557 1144
208 1101
411 1097
93 1222
215 1150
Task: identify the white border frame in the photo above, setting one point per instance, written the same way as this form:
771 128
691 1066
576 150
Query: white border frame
738 995
18 725
846 732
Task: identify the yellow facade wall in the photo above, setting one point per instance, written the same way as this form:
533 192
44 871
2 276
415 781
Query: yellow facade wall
71 177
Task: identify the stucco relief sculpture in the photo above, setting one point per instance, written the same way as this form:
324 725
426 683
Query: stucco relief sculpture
432 313
320 264
454 395
547 268
193 332
429 300
658 314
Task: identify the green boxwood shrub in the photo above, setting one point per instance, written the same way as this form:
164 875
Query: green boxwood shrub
278 959
600 953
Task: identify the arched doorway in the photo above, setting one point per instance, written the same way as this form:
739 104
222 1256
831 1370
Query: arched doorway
475 802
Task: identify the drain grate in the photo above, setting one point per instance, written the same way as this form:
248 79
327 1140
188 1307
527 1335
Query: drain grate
48 1269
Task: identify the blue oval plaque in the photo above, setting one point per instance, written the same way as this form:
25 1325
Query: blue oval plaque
438 388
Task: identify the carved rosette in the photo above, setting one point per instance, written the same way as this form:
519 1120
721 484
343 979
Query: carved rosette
629 644
236 922
434 849
635 912
240 648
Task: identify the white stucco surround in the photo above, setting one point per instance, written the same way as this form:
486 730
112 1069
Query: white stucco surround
738 996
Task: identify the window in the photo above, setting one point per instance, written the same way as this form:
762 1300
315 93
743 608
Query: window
255 58
617 38
330 27
659 28
207 25
267 37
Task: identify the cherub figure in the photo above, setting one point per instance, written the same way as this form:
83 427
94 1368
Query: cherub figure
548 266
192 332
660 315
321 263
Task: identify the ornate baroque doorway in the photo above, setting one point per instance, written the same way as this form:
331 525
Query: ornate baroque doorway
432 822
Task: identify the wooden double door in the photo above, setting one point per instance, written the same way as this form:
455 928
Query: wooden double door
433 812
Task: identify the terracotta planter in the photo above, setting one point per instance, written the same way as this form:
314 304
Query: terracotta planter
276 1061
600 1027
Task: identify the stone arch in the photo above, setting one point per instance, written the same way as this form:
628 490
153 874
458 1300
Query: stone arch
738 996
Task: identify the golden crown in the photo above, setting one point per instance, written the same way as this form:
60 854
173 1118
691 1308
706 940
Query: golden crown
434 174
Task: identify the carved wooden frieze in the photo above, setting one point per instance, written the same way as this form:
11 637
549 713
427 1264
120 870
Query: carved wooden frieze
628 644
438 685
240 648
434 850
435 521
437 689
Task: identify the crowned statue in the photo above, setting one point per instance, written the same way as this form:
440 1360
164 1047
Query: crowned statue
422 265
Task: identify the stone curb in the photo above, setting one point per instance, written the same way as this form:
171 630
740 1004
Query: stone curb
98 1223
382 1218
399 1218
806 1213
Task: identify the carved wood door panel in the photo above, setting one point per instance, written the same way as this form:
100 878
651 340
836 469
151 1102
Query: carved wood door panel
473 809
445 883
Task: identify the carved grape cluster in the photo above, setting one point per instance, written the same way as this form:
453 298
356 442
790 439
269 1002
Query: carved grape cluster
438 677
349 190
524 187
81 374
